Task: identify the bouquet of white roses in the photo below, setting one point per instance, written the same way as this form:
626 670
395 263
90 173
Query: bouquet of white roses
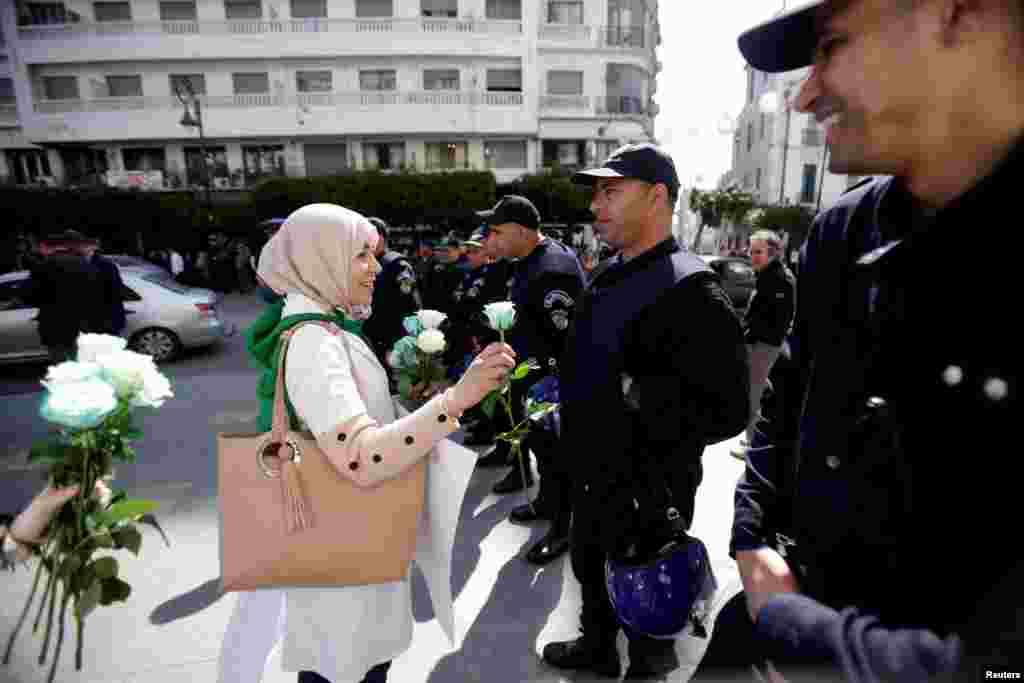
90 401
416 357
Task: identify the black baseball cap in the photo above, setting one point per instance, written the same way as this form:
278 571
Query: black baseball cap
512 209
786 42
645 162
67 236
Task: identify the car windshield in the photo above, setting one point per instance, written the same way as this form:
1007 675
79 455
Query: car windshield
164 280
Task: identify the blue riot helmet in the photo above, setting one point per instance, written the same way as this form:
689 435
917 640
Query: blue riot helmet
665 592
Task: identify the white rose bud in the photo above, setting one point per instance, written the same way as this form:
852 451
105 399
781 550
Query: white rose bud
127 372
431 341
156 389
69 372
92 346
431 320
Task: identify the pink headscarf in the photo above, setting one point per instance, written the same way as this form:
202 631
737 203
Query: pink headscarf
312 254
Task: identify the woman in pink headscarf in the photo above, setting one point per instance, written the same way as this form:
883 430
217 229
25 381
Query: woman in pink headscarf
322 260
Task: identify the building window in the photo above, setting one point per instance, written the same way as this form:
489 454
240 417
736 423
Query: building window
325 159
757 179
262 161
565 12
7 92
377 80
124 86
144 159
60 87
447 155
750 136
313 81
565 82
809 183
504 80
243 9
763 122
180 83
385 156
251 84
374 8
441 79
36 13
177 11
309 9
440 8
626 22
506 154
112 11
504 9
200 161
563 152
746 180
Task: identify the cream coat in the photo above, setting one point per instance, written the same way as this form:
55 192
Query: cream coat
342 632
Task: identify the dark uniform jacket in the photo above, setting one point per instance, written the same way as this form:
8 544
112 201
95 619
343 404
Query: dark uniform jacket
655 370
440 281
772 305
70 293
113 298
545 287
479 287
892 480
394 298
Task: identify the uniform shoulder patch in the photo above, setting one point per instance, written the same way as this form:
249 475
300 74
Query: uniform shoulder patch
558 297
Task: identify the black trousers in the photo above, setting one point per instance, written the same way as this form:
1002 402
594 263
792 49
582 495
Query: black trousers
378 674
734 647
555 481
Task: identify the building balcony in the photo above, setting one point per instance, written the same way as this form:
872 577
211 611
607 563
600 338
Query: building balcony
566 105
94 41
597 37
622 106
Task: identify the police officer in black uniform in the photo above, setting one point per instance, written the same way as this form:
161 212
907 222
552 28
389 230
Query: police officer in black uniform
655 370
395 295
443 276
547 279
910 382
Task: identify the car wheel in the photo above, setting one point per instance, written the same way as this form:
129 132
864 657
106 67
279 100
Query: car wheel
161 344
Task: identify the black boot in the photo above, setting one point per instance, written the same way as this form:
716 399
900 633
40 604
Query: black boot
498 457
650 659
554 544
539 509
589 654
513 481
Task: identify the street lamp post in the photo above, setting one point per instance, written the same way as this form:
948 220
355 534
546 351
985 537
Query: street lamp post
195 120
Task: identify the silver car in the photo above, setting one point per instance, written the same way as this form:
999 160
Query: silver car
163 317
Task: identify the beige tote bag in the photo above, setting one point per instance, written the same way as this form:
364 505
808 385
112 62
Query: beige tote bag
289 518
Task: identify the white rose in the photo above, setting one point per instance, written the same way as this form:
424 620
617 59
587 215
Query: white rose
127 371
69 372
92 346
79 405
156 389
431 341
431 320
501 315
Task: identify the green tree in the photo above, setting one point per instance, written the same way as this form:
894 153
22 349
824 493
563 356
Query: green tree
714 206
794 221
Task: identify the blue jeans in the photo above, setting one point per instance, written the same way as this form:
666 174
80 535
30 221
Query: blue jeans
378 674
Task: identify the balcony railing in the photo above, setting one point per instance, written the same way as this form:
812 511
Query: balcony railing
262 26
361 98
622 105
8 114
565 102
621 37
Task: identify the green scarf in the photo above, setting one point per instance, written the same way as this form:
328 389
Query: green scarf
263 340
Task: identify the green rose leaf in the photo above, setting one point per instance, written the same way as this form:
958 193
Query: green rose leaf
523 369
118 496
114 590
131 434
151 521
127 509
70 565
540 409
49 453
129 539
88 600
103 540
105 568
489 404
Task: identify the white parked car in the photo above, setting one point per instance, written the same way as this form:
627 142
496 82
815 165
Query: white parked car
163 317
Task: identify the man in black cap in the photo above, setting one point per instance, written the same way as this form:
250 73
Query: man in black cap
654 371
395 295
442 275
904 375
546 282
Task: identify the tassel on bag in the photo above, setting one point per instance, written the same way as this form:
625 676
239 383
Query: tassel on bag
298 515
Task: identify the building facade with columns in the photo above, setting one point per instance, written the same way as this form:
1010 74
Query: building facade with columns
92 91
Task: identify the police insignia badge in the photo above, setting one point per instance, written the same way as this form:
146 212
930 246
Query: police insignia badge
557 296
560 319
406 287
472 293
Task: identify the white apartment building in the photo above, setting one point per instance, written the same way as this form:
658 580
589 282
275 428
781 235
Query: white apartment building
317 87
779 155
